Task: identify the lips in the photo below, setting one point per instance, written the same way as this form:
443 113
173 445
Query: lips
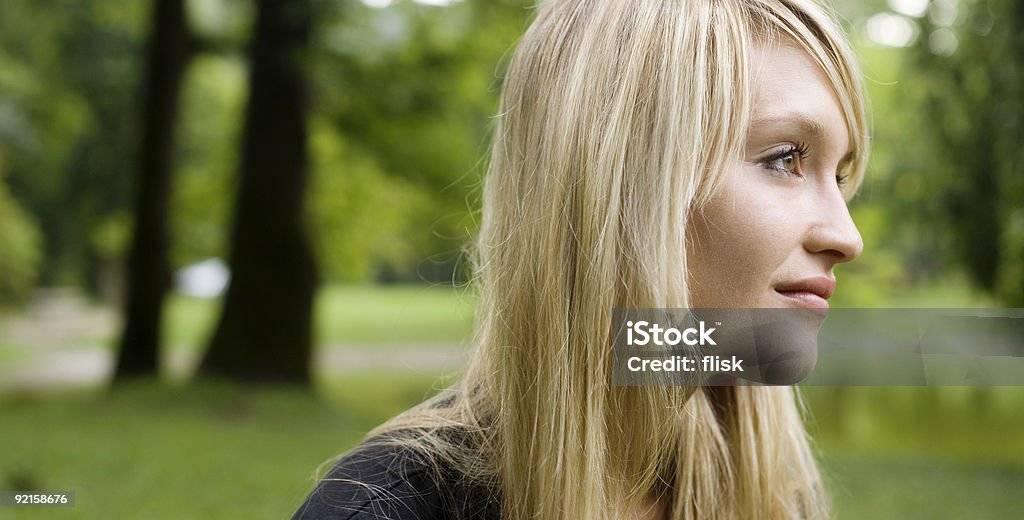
809 292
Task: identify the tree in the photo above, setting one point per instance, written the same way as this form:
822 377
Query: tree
148 270
973 104
264 333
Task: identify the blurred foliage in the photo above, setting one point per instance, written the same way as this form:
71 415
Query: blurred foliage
68 78
971 95
411 89
19 244
212 105
366 222
399 131
402 101
944 199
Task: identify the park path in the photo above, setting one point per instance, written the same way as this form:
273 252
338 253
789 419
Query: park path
61 342
93 365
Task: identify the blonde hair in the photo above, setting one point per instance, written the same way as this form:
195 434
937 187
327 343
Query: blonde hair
617 117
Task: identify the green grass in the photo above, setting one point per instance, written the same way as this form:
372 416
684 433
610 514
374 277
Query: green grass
372 397
208 451
221 451
10 354
215 451
382 315
921 488
349 315
921 453
959 425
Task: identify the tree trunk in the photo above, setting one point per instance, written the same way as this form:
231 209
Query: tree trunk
264 333
148 270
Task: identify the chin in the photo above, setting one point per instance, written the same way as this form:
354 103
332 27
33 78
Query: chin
788 368
783 348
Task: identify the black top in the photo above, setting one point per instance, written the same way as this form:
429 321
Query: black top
378 481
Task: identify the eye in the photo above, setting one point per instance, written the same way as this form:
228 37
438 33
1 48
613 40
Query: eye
787 161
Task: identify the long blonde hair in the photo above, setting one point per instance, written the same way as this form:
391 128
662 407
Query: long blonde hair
617 117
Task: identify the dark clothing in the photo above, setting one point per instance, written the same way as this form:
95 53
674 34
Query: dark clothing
388 482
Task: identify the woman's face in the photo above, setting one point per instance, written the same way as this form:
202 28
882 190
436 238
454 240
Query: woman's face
773 233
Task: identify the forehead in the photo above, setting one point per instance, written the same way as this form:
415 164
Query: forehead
790 89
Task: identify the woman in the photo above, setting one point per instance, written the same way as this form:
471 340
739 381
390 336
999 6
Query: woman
648 153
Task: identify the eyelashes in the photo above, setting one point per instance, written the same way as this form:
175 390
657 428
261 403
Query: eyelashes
841 179
788 162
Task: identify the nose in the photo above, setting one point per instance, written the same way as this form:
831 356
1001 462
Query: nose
834 233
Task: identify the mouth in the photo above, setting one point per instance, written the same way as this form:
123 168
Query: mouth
811 293
805 299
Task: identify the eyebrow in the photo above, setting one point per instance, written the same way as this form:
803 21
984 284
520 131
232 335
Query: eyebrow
807 126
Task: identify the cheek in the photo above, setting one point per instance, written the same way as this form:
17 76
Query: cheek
736 245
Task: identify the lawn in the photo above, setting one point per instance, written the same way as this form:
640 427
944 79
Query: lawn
220 451
210 451
206 451
349 315
914 452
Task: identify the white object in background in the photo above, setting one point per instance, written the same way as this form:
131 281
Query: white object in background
205 279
